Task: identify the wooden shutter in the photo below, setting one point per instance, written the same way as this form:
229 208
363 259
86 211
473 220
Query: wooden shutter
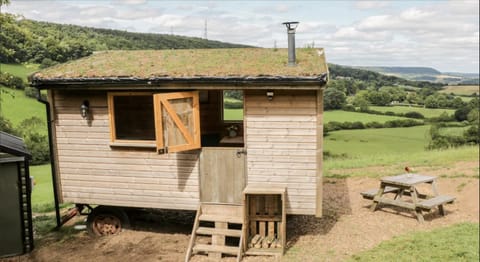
177 121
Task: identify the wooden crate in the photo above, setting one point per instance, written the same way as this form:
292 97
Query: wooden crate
265 221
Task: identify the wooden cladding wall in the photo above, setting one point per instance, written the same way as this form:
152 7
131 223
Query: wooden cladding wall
281 141
93 172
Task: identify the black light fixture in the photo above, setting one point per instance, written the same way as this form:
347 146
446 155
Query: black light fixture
84 109
270 95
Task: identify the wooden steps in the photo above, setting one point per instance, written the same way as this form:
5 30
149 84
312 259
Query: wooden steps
222 217
219 231
215 248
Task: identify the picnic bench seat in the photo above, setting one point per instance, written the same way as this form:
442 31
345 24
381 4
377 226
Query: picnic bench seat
370 194
435 201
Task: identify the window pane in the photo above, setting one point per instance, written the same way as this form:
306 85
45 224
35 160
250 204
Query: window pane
134 118
232 105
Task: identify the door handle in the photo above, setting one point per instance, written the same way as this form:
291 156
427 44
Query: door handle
241 151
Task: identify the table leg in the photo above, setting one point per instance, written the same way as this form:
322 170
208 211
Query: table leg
419 215
440 210
418 212
434 188
435 192
379 195
399 194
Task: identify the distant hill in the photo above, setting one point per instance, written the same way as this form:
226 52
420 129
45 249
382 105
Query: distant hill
377 78
401 70
24 40
425 74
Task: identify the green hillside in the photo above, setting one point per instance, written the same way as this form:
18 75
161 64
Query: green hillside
20 70
24 40
16 107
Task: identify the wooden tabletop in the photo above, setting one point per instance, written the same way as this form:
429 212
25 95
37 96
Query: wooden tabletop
232 140
408 179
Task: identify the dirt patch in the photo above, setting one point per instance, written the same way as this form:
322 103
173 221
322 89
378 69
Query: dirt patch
347 227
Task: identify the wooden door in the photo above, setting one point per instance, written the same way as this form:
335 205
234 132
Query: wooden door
222 175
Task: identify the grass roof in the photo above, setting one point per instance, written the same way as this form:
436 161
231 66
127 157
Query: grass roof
182 63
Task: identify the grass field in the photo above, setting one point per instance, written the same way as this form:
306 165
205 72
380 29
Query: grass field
16 106
20 70
426 112
42 194
461 90
345 116
454 243
232 114
389 148
357 143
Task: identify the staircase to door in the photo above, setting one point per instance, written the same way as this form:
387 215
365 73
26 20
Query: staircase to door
217 221
220 214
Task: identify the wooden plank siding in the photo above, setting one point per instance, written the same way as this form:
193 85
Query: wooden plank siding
93 172
281 140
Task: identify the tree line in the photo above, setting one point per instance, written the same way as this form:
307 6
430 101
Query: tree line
23 40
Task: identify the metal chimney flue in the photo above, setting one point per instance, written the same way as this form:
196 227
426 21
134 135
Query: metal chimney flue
291 27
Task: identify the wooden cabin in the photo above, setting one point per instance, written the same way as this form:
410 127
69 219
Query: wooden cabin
148 129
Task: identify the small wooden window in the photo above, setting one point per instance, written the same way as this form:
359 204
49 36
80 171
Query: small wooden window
177 121
132 118
233 106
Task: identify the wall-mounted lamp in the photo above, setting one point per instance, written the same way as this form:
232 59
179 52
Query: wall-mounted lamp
270 95
84 109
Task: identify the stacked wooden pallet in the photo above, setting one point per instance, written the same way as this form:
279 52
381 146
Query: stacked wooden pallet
265 218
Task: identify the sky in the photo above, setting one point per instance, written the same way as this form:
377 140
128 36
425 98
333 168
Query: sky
439 34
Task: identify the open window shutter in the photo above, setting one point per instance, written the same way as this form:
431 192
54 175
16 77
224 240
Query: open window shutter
177 121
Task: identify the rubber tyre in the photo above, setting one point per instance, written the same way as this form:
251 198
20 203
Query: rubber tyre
106 220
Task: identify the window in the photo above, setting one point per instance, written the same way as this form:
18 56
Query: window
168 121
233 105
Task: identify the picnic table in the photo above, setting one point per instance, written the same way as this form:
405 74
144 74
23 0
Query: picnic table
406 194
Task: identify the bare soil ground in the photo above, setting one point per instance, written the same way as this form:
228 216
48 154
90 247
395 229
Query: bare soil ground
347 227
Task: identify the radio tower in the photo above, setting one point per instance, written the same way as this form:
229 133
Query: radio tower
205 30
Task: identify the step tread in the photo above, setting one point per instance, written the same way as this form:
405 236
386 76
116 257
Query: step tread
220 218
219 231
216 248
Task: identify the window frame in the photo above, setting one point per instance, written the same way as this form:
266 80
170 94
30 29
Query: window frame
114 141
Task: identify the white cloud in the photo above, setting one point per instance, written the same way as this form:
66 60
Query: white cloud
415 14
362 4
130 2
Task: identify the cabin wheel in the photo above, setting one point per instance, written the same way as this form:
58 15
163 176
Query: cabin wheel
105 221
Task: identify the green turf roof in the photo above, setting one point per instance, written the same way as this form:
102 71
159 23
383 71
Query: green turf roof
216 63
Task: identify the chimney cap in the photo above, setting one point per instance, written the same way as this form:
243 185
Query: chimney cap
291 25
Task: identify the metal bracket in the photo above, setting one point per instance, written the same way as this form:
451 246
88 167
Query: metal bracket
241 151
